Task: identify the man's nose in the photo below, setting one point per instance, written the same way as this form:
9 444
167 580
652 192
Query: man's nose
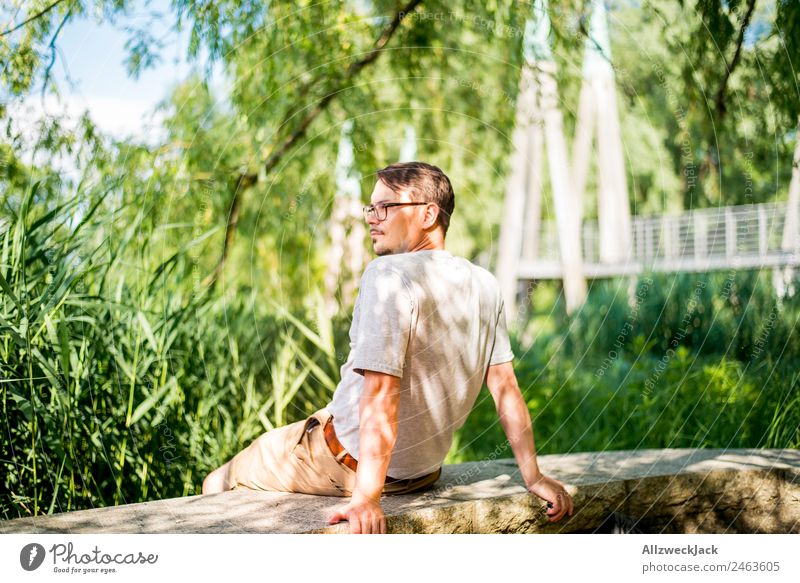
372 219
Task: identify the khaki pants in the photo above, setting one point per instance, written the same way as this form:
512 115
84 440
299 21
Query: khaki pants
296 458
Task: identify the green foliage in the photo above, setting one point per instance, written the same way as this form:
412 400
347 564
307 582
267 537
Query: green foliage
734 314
687 360
123 379
699 129
117 386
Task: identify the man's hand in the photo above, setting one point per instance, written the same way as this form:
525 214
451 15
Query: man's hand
365 517
516 421
378 407
553 492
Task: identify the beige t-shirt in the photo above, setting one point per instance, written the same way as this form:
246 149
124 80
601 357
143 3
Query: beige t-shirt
437 322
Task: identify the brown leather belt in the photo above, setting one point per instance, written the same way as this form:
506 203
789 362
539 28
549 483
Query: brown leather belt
337 448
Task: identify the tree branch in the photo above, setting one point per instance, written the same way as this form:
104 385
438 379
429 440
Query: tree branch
719 101
352 71
244 182
247 180
52 47
32 18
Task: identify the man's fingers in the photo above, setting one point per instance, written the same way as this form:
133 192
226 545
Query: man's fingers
558 510
361 521
367 525
568 505
376 525
355 525
564 509
553 512
336 517
561 508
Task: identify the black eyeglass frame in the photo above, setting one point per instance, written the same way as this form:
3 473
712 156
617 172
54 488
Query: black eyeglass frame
370 208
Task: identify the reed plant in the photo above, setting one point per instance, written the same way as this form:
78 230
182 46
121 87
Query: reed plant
121 380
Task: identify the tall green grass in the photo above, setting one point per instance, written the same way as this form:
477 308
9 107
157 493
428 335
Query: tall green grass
120 381
681 360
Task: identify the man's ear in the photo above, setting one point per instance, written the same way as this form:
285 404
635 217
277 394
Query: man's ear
431 211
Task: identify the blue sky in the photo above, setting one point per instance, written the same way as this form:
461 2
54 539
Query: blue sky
92 56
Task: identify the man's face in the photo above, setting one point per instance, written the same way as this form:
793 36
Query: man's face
403 226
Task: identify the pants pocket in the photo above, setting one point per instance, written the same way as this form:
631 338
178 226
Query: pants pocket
309 424
299 447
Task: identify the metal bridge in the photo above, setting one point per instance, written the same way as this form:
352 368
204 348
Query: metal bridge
574 249
722 238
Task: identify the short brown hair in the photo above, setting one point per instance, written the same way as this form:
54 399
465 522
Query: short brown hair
425 183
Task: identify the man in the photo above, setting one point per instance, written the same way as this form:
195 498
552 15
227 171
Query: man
428 330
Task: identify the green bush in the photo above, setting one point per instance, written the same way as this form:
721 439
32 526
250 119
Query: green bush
733 314
687 360
119 382
122 381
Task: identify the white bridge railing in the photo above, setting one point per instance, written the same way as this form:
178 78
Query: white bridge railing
747 236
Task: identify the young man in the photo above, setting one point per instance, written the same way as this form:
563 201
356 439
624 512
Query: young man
428 330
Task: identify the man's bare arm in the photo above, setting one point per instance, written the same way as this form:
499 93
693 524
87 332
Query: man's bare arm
378 410
515 418
516 422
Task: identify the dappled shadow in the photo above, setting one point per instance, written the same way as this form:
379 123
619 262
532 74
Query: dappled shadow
743 491
448 337
234 511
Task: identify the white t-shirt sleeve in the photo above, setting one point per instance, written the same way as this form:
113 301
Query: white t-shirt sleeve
501 350
385 312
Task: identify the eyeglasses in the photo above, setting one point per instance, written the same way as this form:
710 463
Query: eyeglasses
381 210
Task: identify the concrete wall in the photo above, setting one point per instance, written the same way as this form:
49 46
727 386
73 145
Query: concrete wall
652 491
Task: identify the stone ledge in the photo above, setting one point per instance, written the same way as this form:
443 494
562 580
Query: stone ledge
667 490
